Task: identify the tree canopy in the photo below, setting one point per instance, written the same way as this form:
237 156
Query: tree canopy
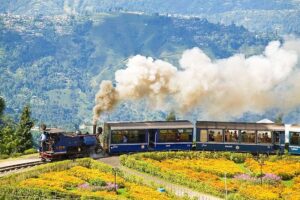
16 137
2 106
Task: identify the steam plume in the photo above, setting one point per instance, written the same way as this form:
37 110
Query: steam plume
222 87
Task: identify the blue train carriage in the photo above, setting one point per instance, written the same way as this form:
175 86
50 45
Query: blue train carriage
240 137
60 145
171 136
293 132
126 137
149 136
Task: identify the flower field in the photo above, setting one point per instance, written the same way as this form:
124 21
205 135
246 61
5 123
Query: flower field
206 171
88 181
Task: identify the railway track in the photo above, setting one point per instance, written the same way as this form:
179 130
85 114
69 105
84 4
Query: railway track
14 167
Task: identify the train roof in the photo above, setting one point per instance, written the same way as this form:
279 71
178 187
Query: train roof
240 125
293 127
149 125
55 130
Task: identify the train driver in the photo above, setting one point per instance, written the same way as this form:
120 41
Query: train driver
43 137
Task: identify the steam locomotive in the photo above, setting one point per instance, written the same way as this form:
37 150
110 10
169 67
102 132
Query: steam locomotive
61 145
125 137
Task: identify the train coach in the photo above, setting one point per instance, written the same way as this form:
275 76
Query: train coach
149 136
269 138
293 133
240 137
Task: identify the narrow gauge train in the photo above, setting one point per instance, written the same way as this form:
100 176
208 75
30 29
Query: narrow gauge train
125 137
60 145
204 135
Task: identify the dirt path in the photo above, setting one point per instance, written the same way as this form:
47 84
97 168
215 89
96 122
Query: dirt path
147 179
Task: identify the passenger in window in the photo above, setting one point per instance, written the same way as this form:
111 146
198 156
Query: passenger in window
219 137
227 136
125 140
235 136
211 136
178 137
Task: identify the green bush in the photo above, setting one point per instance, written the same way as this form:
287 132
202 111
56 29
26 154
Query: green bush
4 156
97 182
11 192
15 154
30 151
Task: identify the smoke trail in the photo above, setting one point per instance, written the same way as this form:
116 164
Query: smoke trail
222 87
105 99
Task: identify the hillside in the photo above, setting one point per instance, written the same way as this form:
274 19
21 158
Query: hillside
55 63
264 16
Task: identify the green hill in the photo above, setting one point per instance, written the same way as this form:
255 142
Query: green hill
55 63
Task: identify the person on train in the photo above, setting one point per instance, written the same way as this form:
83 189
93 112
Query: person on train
211 136
43 137
266 138
235 136
178 137
125 140
219 137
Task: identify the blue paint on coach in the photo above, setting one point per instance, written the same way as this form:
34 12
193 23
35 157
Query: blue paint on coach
173 146
238 147
120 148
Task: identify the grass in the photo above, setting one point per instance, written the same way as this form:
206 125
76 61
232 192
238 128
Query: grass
243 168
288 183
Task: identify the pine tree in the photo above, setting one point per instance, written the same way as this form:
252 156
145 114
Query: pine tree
2 106
171 116
279 118
23 134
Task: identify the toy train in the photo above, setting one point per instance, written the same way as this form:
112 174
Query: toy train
60 145
126 137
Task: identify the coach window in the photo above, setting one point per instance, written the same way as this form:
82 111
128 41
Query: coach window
248 136
128 136
116 137
184 135
168 135
276 136
295 138
231 135
264 137
215 135
176 135
203 135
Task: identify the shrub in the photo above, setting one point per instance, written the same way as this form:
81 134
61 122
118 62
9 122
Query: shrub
271 179
30 151
97 182
15 154
4 156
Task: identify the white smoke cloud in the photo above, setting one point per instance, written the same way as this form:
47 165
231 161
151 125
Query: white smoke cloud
222 87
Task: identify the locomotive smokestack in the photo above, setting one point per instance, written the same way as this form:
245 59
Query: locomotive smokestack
94 128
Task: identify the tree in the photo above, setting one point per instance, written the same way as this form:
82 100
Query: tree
171 116
2 106
23 134
279 118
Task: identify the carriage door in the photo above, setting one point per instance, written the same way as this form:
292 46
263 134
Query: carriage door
152 138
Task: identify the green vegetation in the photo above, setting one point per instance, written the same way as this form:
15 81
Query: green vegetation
246 178
171 116
75 179
55 63
15 137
